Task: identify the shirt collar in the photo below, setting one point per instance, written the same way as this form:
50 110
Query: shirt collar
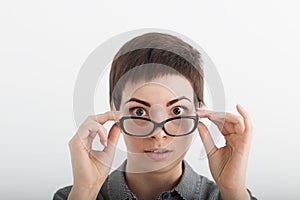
188 186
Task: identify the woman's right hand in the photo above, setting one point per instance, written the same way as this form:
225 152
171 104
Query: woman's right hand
91 167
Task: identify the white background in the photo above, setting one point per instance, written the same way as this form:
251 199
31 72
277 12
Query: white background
43 44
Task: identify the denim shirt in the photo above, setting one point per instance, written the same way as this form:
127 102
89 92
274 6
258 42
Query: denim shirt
190 186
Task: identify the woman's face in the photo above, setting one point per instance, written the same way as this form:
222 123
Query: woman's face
160 99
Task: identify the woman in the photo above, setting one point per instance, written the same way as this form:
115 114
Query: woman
156 97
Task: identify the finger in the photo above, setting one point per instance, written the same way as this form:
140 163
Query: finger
232 128
113 138
218 116
102 132
226 122
239 127
110 115
225 130
207 140
246 117
94 128
77 143
211 115
89 128
88 131
109 150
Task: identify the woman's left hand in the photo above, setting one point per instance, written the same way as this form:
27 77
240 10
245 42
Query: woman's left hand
228 164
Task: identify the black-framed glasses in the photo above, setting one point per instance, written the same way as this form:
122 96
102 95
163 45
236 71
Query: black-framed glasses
143 127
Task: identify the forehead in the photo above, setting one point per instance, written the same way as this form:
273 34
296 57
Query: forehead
159 89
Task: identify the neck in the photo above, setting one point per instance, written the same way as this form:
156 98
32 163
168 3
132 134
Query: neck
150 184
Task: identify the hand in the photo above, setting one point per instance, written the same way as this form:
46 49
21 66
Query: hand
228 164
91 167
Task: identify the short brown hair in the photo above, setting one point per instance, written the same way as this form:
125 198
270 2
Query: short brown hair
156 49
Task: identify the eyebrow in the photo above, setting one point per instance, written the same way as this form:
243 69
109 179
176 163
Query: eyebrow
139 101
148 104
176 100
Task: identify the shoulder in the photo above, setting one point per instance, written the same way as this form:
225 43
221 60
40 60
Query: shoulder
204 188
112 183
63 193
112 186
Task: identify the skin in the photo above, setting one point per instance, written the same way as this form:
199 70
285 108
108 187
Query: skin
227 164
162 175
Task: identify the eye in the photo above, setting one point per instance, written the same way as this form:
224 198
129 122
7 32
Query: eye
138 111
177 110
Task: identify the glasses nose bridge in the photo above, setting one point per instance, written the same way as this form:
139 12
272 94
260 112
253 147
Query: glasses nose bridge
159 125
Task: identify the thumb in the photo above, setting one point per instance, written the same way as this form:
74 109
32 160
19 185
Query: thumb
113 138
207 140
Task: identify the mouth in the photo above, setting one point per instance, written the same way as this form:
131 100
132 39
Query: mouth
157 151
158 154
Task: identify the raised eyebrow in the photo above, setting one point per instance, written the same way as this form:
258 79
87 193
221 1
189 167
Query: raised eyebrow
138 101
176 100
148 104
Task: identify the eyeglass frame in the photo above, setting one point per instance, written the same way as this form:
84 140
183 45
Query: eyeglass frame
158 124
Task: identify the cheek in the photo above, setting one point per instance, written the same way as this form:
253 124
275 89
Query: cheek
133 144
182 144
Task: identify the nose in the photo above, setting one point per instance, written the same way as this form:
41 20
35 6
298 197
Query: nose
158 113
159 134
